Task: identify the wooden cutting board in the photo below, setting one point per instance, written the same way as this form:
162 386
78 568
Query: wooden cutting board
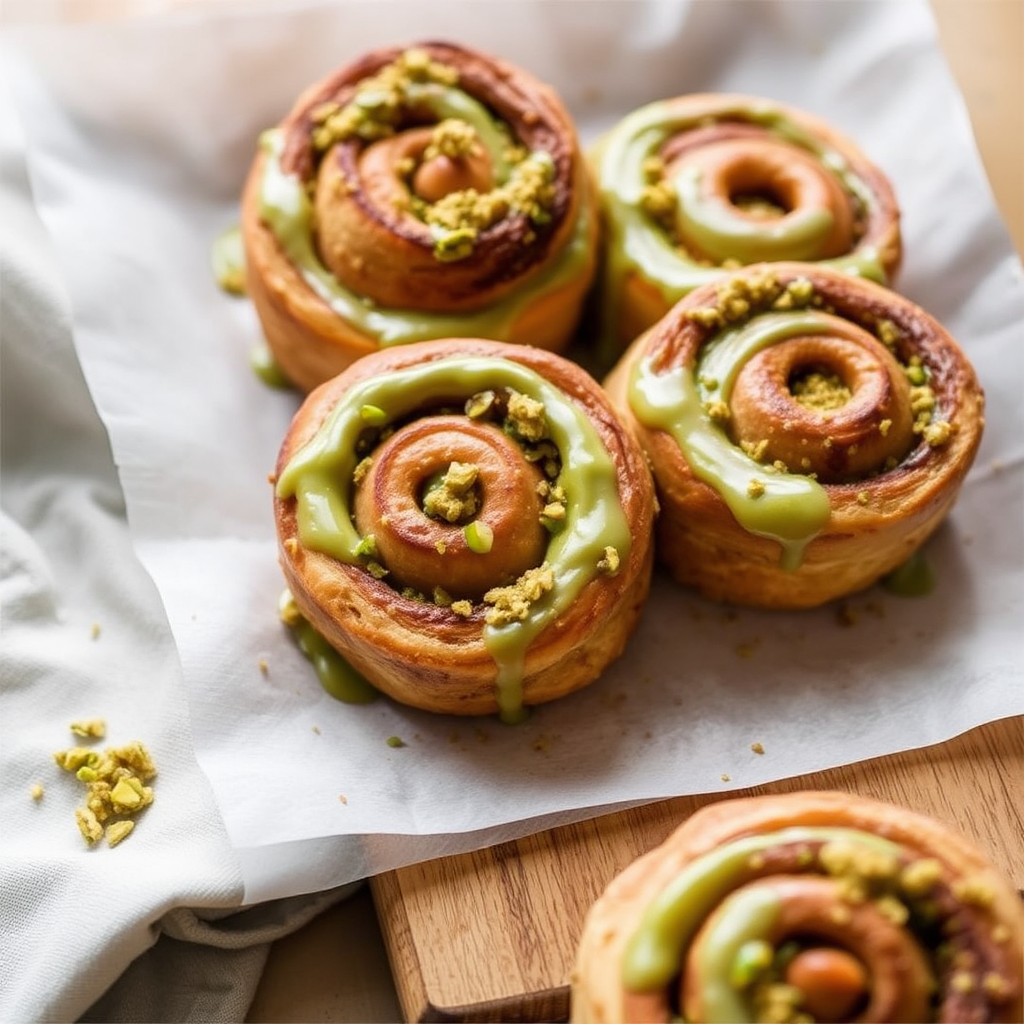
491 935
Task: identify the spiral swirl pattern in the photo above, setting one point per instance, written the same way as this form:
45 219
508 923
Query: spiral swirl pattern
808 907
419 193
699 184
467 523
807 430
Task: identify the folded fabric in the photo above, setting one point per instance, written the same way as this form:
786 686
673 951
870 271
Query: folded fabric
85 637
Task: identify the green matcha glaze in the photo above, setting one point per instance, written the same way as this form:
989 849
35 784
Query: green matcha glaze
228 260
724 235
638 245
444 101
914 578
265 366
319 477
336 675
286 209
793 508
669 924
744 916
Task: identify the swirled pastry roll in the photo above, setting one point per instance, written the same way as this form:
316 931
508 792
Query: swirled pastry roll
807 907
807 430
696 185
417 193
467 523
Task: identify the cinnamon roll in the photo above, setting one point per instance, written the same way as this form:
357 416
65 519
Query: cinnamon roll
467 523
693 186
807 430
813 906
417 193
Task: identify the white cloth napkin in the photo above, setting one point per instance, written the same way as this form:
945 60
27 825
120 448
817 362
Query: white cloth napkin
84 636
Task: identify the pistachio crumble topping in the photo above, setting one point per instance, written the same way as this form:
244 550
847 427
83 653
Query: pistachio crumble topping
526 417
513 603
453 138
379 102
454 498
823 392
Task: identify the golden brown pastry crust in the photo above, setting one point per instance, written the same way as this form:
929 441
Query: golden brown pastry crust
997 929
425 655
744 158
878 518
382 252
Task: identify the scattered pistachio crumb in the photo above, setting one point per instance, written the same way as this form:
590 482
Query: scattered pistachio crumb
919 877
88 825
264 666
755 489
94 631
757 748
888 333
973 890
840 914
36 791
718 410
610 561
395 741
962 982
512 603
863 497
822 392
938 433
91 727
884 427
287 609
526 417
440 547
995 984
376 570
892 909
118 831
725 778
453 138
455 497
359 474
462 608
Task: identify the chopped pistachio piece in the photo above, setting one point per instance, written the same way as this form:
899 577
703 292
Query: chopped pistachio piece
479 536
94 727
373 415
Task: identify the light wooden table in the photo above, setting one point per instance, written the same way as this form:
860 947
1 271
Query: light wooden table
337 968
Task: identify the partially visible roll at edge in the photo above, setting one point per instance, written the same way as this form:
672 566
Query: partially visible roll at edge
906 860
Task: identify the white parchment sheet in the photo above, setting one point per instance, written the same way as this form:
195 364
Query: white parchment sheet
140 133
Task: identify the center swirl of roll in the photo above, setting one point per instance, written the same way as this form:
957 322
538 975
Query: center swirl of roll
488 532
759 198
439 163
836 405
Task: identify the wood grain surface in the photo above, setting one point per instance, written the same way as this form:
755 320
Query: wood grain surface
491 935
514 911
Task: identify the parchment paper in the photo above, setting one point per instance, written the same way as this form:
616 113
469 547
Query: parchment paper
140 133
